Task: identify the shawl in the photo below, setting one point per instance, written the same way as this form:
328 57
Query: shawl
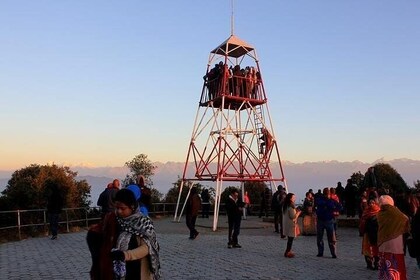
370 211
392 223
142 226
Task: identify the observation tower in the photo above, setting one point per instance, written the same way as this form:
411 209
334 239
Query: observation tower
233 138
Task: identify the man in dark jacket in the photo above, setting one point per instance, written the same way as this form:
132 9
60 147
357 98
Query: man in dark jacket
192 208
276 205
325 208
54 207
234 208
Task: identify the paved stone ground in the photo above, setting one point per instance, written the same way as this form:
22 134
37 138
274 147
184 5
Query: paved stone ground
207 257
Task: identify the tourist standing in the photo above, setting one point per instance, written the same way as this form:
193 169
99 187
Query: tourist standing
415 232
392 225
276 205
368 228
130 249
192 207
291 228
234 212
325 208
309 217
54 206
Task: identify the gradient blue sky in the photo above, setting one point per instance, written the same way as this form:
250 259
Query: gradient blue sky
98 82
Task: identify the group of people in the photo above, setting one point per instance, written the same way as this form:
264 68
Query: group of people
124 244
234 210
384 225
233 81
385 228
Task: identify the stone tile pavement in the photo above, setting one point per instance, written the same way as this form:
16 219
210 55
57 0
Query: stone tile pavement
207 257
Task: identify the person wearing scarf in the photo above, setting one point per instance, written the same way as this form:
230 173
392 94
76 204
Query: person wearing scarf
392 225
369 230
135 252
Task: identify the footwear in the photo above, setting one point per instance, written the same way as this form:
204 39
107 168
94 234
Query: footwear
276 231
195 235
230 246
237 246
283 237
54 237
289 255
320 255
334 256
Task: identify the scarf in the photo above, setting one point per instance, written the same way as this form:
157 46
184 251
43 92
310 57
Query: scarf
392 223
370 211
139 225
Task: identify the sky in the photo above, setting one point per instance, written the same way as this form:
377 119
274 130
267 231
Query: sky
95 83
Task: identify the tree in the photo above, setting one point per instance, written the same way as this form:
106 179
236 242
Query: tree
358 179
226 192
140 165
172 194
156 195
417 185
27 187
254 190
385 178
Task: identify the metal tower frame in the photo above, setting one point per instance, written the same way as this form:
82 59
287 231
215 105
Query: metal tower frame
233 136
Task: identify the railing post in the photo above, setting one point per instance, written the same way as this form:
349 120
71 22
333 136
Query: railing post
67 221
45 222
86 216
18 218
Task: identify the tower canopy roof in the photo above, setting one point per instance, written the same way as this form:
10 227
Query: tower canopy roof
233 47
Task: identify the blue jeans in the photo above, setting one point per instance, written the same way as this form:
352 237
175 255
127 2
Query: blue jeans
329 227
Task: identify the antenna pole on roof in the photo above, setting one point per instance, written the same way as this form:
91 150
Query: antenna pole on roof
232 20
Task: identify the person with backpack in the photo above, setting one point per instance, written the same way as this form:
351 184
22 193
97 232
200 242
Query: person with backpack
276 205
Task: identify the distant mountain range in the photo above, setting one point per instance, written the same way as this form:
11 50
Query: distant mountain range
300 176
